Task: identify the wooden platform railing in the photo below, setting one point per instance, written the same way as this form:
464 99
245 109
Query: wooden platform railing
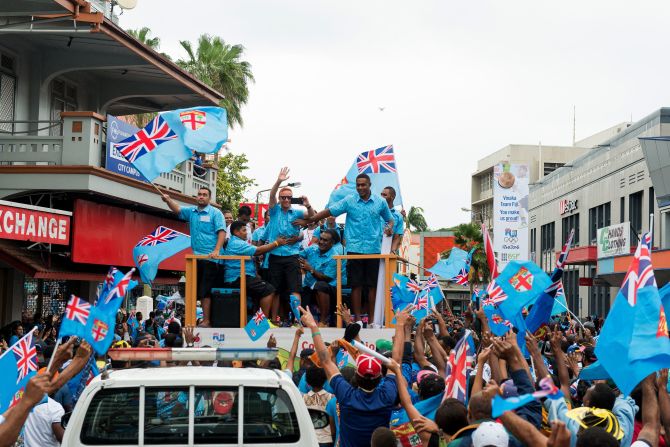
390 267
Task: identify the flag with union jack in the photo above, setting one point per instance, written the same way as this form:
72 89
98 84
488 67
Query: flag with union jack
458 368
156 247
640 273
76 316
380 165
522 282
146 140
17 365
462 277
119 289
257 326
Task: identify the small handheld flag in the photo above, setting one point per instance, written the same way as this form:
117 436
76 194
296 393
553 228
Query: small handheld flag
17 365
257 326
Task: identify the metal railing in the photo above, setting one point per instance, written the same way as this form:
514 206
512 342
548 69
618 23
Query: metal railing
33 126
31 150
390 266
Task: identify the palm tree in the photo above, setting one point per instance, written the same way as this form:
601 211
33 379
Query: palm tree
219 65
468 236
416 220
142 35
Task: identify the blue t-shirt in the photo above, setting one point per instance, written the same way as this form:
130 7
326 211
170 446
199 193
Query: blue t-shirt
258 234
331 410
362 231
322 263
281 224
204 227
360 412
398 223
238 247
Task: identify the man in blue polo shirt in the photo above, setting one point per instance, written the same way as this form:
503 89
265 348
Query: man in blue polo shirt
363 235
321 273
283 264
208 231
257 288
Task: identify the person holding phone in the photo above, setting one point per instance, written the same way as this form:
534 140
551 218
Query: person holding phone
283 263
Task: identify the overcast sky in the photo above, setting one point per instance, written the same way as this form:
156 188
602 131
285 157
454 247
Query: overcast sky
458 80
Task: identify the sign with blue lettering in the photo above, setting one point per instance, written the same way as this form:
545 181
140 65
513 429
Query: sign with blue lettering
118 131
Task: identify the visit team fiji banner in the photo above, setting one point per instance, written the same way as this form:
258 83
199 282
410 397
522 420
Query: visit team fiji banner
510 213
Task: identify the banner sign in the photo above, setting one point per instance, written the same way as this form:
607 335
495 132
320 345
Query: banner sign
614 240
118 131
33 223
510 213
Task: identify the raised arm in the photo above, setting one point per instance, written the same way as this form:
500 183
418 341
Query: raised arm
76 365
174 206
261 250
559 357
419 348
482 358
283 175
651 427
37 387
540 368
664 403
435 348
319 346
294 348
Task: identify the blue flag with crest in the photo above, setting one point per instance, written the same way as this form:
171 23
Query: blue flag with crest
634 340
449 268
202 129
257 326
380 165
154 248
17 365
522 282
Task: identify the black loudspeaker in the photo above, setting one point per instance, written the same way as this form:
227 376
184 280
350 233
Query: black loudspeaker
225 310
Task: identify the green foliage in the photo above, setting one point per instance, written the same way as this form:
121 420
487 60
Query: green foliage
142 35
416 220
220 66
231 181
468 236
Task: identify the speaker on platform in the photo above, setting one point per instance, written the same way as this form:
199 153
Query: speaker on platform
225 310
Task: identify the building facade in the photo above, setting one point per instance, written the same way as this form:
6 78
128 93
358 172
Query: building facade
65 67
609 186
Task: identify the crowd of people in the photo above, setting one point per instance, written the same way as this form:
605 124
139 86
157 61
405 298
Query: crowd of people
292 253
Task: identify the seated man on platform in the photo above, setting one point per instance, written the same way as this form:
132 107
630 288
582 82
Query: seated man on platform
320 281
238 246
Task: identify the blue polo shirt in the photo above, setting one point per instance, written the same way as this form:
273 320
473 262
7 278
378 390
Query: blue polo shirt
321 262
281 224
398 223
204 226
258 234
362 231
238 247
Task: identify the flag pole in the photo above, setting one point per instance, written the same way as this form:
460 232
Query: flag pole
570 312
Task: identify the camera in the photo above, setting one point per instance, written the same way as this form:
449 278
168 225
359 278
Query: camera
296 201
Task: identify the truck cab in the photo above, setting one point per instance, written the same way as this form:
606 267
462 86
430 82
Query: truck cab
192 406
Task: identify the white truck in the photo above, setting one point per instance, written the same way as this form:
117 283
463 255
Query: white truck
192 406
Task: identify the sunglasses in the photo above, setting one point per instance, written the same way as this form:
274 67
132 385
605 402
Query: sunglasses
285 197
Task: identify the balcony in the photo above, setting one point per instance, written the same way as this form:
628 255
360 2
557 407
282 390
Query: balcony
81 148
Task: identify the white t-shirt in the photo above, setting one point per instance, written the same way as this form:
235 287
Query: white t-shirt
37 431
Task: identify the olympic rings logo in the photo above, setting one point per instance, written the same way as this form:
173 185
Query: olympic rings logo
511 240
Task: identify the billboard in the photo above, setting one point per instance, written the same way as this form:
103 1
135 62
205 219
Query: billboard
117 131
510 213
22 222
614 240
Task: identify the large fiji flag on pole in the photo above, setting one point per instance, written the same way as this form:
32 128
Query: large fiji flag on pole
202 129
634 340
380 165
156 247
544 305
155 149
17 365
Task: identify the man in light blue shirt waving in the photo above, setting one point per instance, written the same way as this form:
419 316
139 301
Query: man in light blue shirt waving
363 235
208 231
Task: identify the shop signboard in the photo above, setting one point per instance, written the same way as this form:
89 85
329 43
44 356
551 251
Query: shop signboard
117 131
510 213
614 240
23 222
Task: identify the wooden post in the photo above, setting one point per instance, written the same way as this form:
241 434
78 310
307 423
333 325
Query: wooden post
191 290
243 294
339 289
391 266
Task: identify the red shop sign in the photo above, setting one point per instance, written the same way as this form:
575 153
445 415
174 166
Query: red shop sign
33 223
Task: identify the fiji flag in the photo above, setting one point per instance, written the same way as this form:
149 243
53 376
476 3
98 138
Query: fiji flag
155 149
17 365
257 326
156 247
121 285
76 316
202 129
403 292
634 341
458 368
522 282
426 300
543 308
380 165
497 323
449 268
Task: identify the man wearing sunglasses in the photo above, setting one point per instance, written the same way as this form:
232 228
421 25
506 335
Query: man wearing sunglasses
283 262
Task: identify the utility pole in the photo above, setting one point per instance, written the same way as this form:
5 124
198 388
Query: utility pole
574 124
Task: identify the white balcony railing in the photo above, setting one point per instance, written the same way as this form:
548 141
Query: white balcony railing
31 150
